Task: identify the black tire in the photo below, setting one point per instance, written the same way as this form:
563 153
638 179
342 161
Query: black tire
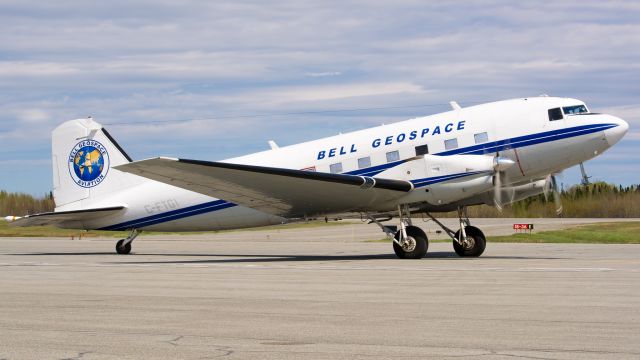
421 244
123 249
476 247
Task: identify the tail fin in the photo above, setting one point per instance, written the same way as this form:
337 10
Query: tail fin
83 156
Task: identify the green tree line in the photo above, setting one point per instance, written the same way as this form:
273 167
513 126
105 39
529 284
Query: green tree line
596 200
21 204
599 199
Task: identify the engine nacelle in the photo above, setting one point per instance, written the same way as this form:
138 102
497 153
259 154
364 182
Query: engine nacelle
457 189
512 194
522 192
441 180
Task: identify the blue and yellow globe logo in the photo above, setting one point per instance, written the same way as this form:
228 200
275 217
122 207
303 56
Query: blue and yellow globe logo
88 163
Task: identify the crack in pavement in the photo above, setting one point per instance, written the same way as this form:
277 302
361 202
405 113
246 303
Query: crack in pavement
174 342
224 350
79 356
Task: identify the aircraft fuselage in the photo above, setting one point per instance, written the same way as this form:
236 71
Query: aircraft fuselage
528 131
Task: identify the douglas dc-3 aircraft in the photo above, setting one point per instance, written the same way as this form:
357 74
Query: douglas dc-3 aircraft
493 153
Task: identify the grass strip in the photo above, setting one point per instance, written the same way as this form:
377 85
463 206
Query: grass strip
603 233
51 231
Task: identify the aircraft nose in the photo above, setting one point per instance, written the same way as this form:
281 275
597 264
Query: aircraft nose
616 133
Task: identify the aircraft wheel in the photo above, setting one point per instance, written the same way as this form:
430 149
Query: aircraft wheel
123 249
416 245
474 245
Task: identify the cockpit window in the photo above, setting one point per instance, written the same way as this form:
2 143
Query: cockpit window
555 114
576 109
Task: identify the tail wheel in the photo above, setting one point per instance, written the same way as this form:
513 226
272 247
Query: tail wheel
123 249
414 247
473 245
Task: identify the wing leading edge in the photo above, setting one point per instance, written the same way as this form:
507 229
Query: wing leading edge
277 191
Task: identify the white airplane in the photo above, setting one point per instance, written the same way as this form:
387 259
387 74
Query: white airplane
493 153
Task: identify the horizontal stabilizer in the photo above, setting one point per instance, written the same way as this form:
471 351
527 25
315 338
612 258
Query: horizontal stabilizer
57 217
277 191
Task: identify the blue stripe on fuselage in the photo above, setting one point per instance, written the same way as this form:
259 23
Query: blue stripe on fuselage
172 215
528 140
501 145
490 147
370 171
436 179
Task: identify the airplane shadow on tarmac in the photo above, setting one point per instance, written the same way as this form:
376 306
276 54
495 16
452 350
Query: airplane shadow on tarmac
266 258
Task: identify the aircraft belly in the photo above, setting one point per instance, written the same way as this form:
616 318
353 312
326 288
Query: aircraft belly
233 217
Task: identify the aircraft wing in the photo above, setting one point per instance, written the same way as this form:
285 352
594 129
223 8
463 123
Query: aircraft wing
283 192
57 217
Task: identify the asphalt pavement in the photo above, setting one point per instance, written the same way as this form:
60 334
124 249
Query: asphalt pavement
315 293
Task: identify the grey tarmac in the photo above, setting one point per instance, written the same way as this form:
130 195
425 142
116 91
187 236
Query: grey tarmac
311 293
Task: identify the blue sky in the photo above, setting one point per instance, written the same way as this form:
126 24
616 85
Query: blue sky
137 61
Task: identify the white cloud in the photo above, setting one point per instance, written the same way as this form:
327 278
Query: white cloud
19 69
324 74
630 113
33 116
293 94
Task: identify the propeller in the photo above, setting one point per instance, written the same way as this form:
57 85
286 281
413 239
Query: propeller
551 186
500 165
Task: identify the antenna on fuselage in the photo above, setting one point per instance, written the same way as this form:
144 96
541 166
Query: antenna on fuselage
273 145
454 105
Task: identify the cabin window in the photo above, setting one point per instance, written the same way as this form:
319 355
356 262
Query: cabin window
555 114
335 168
393 156
481 138
422 150
576 109
451 144
364 162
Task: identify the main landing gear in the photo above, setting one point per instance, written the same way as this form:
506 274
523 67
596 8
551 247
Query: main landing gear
123 246
410 242
469 241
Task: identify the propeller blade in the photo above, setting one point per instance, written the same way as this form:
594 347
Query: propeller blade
497 191
513 195
556 195
547 187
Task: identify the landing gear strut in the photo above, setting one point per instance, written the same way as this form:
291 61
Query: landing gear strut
409 242
123 246
469 241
